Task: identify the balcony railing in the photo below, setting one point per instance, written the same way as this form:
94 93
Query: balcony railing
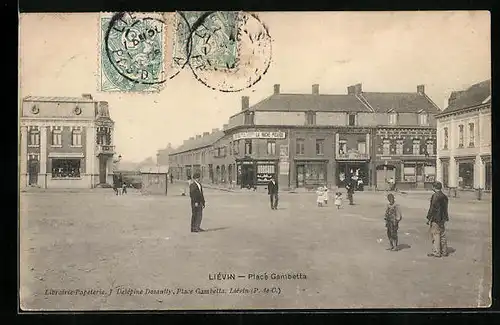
105 149
352 156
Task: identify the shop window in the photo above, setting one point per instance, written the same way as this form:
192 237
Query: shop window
300 148
310 118
460 136
430 173
430 147
248 147
416 147
393 118
57 136
445 138
352 120
409 174
471 135
312 174
271 147
66 168
342 147
320 144
399 147
362 147
76 137
34 137
386 147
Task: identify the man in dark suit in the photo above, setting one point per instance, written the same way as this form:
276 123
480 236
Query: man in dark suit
349 186
197 203
436 218
272 191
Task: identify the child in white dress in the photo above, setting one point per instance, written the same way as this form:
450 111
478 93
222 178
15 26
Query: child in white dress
325 195
320 196
338 199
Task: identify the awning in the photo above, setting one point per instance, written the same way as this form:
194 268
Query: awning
66 155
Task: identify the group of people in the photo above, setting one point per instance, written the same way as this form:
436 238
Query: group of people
119 185
437 214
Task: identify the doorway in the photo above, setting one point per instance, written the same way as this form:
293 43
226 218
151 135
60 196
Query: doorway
248 175
384 174
102 169
33 167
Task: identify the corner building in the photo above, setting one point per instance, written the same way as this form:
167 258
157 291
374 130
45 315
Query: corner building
303 140
65 142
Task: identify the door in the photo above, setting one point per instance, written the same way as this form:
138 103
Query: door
487 174
300 175
33 172
102 169
420 176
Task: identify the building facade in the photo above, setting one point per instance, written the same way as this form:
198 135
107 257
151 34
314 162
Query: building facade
307 140
65 142
464 139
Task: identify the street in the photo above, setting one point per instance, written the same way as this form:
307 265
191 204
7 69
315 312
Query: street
141 248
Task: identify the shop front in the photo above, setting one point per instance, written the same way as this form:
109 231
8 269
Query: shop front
311 173
253 172
417 174
465 173
352 169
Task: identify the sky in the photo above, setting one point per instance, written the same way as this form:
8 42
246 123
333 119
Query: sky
384 51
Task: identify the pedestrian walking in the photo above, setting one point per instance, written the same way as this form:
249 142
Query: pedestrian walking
124 188
197 203
437 216
392 218
338 200
350 191
272 191
171 178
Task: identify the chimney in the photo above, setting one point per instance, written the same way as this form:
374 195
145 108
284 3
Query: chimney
350 90
215 130
245 102
315 89
357 89
421 89
276 89
198 136
206 133
87 96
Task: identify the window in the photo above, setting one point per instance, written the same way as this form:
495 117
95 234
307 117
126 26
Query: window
342 147
57 136
248 147
460 136
352 120
386 147
362 147
34 137
423 119
310 118
103 136
271 147
236 147
76 137
430 147
230 147
409 174
445 138
430 173
300 147
471 135
320 144
416 147
399 147
249 118
66 168
393 118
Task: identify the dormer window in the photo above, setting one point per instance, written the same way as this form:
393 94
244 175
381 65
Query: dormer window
351 120
249 117
393 118
310 118
423 118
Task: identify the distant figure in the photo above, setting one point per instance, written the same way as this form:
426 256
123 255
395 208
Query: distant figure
350 191
115 183
338 199
272 191
171 178
392 218
197 203
320 196
120 184
325 195
124 188
437 216
392 184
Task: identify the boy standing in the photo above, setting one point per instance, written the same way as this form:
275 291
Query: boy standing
392 218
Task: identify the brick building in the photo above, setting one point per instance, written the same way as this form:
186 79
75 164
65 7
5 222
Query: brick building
65 142
306 140
464 138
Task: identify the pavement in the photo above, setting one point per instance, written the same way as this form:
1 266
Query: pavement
136 252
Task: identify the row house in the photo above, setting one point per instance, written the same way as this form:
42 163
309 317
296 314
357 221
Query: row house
306 140
65 142
464 139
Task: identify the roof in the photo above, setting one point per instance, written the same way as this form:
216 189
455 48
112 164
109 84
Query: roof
154 169
58 99
201 142
476 94
305 102
399 102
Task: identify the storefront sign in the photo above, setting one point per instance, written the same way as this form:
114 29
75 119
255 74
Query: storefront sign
284 168
259 135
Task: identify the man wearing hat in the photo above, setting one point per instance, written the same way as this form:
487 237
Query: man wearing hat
436 218
197 203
